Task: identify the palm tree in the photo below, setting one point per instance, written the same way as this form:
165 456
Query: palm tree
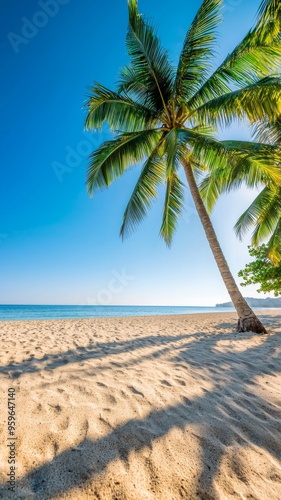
263 216
166 117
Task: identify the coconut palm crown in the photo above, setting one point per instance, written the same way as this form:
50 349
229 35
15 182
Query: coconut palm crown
263 216
165 118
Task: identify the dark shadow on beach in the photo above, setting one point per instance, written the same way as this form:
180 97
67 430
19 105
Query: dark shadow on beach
98 350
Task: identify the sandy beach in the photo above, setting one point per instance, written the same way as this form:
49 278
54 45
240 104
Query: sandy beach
165 408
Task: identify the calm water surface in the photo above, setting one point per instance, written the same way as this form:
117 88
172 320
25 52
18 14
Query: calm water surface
18 312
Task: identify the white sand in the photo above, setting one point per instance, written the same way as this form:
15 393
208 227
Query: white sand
165 408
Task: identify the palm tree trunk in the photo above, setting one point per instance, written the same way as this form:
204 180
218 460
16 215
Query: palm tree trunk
247 321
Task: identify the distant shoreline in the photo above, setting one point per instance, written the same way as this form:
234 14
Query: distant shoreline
267 302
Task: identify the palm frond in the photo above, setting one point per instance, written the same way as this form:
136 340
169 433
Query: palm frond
215 154
261 215
149 62
195 58
199 170
269 10
119 111
130 84
264 215
173 207
145 191
274 245
112 158
256 163
258 55
268 132
254 102
268 216
222 180
244 163
210 189
206 130
171 151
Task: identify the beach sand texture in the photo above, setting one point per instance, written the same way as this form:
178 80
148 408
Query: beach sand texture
166 408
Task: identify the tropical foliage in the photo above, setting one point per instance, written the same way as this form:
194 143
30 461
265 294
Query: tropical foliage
266 219
263 216
261 272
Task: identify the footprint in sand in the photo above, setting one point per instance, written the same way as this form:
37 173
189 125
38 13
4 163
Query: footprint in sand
64 424
111 399
165 382
181 382
55 408
135 391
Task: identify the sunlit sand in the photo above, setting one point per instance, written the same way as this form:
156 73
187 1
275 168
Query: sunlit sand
166 408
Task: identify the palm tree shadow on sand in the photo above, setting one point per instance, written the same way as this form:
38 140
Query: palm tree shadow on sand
255 419
97 350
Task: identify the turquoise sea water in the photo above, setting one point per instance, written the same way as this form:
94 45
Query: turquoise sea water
18 312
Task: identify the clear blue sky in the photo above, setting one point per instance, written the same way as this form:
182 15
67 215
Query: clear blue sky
57 245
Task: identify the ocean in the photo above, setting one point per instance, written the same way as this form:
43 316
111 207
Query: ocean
22 312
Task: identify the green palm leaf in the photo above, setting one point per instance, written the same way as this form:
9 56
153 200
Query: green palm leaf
112 158
274 245
171 149
250 164
131 85
194 62
118 111
254 102
220 155
257 56
173 207
145 191
151 67
268 132
206 130
269 10
263 214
